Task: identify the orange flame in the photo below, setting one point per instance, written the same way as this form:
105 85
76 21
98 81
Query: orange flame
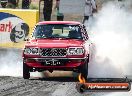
81 78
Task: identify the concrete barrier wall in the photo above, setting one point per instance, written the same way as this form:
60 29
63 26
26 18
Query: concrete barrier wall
15 26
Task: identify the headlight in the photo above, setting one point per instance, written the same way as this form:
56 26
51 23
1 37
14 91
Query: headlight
75 51
32 51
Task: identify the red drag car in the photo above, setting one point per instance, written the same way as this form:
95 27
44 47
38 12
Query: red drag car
57 45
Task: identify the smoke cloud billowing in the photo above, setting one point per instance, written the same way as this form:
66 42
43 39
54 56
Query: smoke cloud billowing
111 33
10 63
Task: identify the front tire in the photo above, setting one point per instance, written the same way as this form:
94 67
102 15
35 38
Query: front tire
26 72
84 70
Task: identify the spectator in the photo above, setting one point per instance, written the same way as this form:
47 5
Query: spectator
47 10
3 3
121 4
12 4
60 16
26 4
90 8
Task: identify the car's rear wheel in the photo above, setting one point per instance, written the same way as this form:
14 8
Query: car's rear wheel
26 72
84 70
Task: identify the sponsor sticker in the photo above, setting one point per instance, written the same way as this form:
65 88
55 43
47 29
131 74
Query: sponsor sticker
13 28
107 86
6 27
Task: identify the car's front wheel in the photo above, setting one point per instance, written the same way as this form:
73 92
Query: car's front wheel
26 71
84 70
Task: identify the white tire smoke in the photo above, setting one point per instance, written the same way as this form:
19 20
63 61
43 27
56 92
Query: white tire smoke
11 62
111 33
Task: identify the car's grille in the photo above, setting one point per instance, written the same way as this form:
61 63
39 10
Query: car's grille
53 52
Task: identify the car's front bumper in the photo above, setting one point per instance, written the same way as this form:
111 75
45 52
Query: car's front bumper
68 64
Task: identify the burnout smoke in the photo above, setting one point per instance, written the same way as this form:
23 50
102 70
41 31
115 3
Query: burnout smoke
112 36
12 65
10 62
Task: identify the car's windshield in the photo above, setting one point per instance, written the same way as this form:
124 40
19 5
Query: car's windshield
57 31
